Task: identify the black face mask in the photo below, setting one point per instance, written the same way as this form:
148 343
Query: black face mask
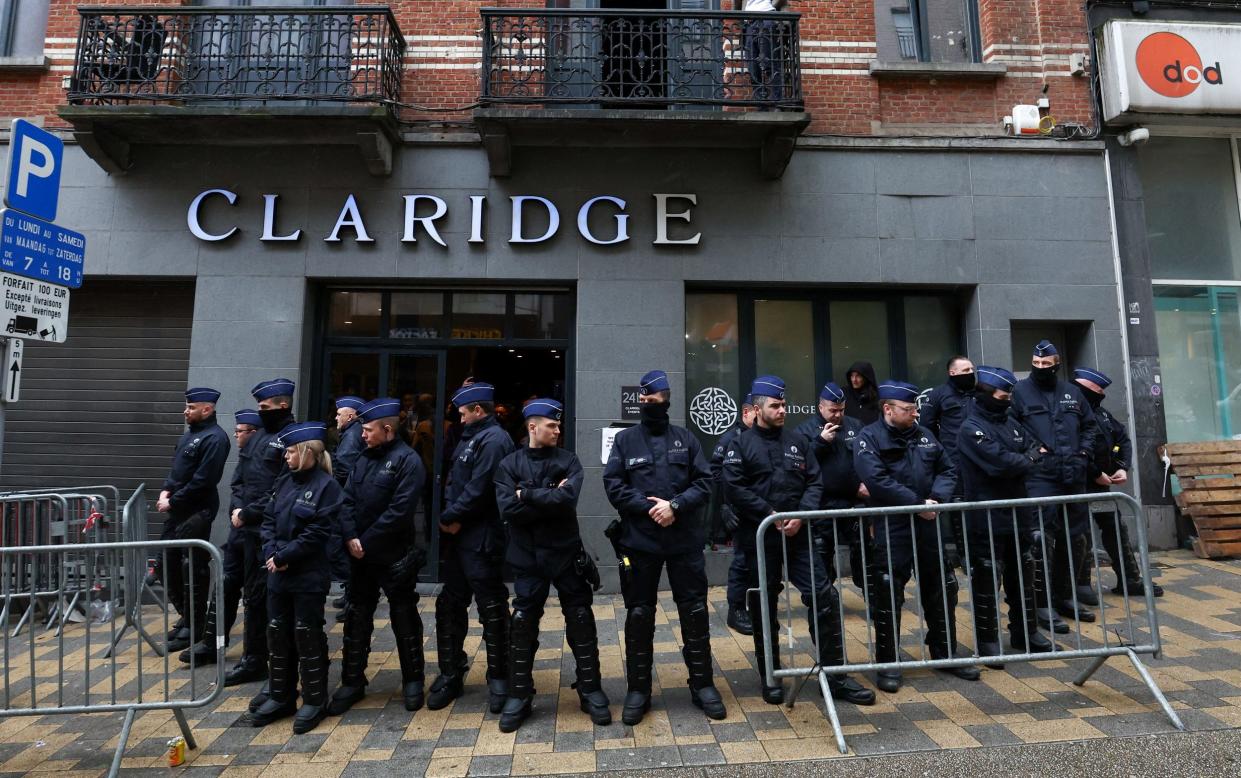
1045 377
654 415
274 418
964 382
990 403
1092 397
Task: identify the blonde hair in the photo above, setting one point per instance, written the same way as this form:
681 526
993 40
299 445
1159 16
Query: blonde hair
317 450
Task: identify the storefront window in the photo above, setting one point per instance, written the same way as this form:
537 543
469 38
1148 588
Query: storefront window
1192 223
478 315
712 365
784 346
355 314
541 316
931 338
417 315
1199 331
860 334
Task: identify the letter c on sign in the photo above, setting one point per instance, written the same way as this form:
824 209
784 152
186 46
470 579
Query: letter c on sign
191 217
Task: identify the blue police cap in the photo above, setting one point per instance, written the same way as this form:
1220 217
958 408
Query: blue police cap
249 416
749 400
1045 348
201 394
898 390
382 408
277 387
302 431
768 386
474 393
1092 375
832 393
654 381
543 406
349 401
995 376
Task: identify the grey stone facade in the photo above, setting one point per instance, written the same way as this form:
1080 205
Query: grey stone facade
1024 233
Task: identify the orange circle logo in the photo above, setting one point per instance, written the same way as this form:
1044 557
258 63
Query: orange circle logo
1169 64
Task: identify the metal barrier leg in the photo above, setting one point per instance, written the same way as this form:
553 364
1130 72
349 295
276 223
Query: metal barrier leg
120 743
829 705
1155 690
185 728
1090 670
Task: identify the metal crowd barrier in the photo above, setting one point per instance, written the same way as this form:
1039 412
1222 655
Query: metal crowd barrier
1134 633
138 591
75 677
73 515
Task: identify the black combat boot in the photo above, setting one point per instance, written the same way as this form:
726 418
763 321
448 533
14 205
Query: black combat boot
355 651
451 623
407 626
772 695
495 618
523 645
313 660
639 660
281 682
583 637
826 629
696 650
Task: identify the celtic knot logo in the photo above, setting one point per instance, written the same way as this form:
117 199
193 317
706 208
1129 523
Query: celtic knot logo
713 411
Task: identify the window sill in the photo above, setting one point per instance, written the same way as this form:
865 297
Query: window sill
952 70
37 64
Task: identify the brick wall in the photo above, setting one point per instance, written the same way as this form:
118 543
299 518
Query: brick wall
1032 38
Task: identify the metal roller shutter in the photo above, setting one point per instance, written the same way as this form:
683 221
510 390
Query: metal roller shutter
105 406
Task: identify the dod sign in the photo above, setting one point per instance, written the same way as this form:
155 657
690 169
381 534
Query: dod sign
33 310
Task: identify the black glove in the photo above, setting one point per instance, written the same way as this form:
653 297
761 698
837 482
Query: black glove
729 518
1033 453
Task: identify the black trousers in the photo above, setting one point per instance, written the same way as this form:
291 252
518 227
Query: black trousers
255 595
530 591
897 553
188 571
687 575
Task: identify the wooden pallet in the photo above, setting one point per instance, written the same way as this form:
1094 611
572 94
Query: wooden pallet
1210 479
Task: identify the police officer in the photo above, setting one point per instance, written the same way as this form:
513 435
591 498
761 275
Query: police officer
377 524
295 531
738 571
658 481
1109 465
1057 413
472 551
902 463
996 453
943 411
190 499
770 469
348 448
832 435
259 471
204 651
537 488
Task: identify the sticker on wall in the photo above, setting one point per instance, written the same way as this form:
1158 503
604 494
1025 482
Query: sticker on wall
713 411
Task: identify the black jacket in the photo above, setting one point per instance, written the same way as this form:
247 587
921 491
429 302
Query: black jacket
727 517
197 466
347 451
295 530
903 468
836 472
771 470
1062 421
542 525
470 494
862 404
670 466
995 453
943 413
259 465
1112 449
381 498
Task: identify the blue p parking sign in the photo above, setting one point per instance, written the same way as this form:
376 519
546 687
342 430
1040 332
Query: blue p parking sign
33 185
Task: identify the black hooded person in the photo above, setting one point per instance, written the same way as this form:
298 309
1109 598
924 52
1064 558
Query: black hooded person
861 393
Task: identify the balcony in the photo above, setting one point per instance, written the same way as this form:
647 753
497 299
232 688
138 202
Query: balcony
151 75
658 78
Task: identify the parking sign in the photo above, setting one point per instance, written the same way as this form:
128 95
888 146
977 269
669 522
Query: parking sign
33 185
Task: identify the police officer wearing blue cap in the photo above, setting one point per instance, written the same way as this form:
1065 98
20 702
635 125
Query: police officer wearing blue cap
472 552
263 464
771 469
832 434
295 530
348 448
739 570
537 489
1109 466
234 549
902 463
942 412
377 524
190 499
659 482
995 454
1057 413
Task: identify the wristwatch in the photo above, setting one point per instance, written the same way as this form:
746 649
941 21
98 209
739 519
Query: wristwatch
674 505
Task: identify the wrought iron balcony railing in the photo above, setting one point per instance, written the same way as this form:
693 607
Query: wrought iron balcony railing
641 59
237 56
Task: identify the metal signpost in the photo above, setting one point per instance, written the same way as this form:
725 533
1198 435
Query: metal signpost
39 261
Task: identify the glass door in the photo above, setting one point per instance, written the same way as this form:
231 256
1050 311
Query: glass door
417 379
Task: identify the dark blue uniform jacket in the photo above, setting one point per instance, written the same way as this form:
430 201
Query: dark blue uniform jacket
295 530
197 467
381 498
542 524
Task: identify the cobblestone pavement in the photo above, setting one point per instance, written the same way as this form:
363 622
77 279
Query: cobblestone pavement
1025 704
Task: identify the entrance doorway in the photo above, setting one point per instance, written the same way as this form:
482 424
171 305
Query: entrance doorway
420 345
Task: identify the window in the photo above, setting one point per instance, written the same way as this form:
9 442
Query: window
928 30
23 26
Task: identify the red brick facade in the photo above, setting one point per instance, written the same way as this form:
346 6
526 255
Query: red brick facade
1034 39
